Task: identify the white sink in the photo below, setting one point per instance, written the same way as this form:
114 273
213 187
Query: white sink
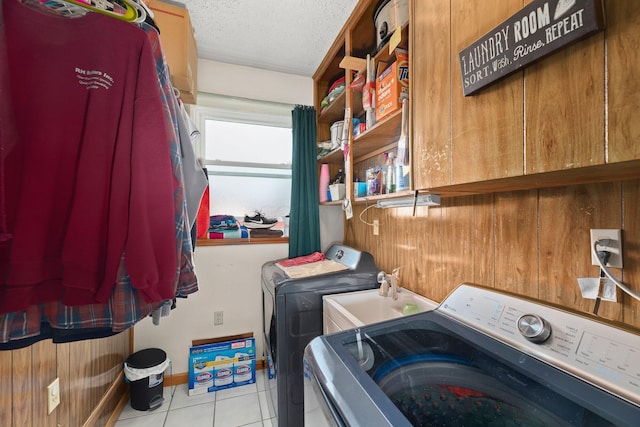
353 309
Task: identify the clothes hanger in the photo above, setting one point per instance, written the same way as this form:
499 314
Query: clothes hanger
104 7
127 10
56 8
145 7
142 13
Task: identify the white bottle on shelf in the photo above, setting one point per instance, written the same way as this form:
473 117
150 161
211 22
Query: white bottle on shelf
390 176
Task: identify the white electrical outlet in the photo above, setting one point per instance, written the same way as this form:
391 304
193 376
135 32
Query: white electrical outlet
611 242
218 317
376 227
53 395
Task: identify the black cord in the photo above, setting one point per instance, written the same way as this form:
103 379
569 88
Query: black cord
604 256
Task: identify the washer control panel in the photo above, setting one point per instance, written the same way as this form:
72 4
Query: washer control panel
599 353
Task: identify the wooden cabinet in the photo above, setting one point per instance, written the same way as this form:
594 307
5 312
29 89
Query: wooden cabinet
565 109
357 40
179 45
431 86
623 85
459 139
570 118
486 129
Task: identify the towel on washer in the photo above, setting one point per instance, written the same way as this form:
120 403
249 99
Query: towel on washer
313 268
304 259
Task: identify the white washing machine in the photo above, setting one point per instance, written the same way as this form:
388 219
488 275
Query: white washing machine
482 358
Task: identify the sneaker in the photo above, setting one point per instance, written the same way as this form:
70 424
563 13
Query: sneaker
259 221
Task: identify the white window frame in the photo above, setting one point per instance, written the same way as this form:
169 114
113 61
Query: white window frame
240 110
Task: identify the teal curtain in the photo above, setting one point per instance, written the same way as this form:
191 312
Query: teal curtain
304 220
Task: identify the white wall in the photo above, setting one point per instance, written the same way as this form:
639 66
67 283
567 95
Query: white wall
229 281
252 83
229 276
331 226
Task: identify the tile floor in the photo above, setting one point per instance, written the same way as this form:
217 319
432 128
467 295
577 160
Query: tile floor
244 406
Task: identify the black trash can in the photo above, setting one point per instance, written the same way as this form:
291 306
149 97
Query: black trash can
144 370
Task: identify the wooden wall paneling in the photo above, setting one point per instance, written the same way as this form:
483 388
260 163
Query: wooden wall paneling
487 128
484 240
118 352
101 375
429 269
623 38
63 355
6 387
107 364
44 361
430 74
565 108
384 252
360 235
81 395
107 381
388 239
22 388
96 376
631 250
566 216
419 251
458 249
355 230
516 247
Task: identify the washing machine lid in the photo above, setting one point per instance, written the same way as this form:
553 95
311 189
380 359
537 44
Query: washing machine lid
361 273
432 369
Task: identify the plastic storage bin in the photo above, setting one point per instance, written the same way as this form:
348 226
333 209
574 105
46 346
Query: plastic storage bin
336 134
144 371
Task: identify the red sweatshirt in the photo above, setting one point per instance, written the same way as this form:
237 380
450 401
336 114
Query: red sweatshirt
89 177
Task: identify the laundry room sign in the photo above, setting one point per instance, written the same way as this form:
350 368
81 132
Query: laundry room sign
539 29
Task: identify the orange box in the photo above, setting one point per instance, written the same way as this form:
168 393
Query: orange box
392 85
179 44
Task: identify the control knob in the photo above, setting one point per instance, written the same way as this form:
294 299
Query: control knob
534 328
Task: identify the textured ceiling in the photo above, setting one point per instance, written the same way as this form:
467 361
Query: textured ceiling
289 36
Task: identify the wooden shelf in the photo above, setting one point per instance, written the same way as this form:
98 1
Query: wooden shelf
355 42
335 110
374 199
332 203
334 157
382 136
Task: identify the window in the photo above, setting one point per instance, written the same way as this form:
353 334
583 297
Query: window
246 148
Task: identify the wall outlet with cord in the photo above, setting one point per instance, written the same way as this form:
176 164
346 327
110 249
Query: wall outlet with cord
608 240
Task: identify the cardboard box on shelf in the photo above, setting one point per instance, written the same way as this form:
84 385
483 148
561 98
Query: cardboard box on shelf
179 45
221 363
392 85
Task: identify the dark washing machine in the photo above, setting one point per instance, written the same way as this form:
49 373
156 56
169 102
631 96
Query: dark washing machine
482 358
292 317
